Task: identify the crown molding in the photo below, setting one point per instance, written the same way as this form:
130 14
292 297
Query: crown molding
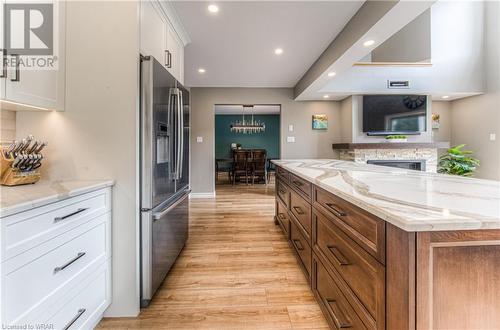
174 20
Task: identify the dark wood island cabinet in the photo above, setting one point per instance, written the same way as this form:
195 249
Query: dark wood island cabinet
367 273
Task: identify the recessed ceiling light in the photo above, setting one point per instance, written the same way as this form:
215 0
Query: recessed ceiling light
331 74
278 51
213 9
368 43
201 70
326 96
445 97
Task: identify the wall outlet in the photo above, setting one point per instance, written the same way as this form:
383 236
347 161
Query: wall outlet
199 139
290 139
493 137
290 128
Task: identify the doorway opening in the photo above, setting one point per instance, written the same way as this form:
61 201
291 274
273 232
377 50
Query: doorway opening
247 138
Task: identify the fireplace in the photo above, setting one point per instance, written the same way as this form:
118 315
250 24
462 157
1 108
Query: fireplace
418 165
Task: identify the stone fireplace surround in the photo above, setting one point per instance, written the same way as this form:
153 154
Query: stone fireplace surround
363 152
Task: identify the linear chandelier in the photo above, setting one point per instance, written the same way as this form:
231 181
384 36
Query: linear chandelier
248 126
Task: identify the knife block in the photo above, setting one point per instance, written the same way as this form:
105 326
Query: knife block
12 177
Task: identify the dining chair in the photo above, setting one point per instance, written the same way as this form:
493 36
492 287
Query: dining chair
271 169
240 165
259 165
224 166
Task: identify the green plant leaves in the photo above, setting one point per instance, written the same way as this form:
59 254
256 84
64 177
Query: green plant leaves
458 162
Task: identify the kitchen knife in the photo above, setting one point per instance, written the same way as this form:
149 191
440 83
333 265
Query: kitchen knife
21 163
20 146
26 146
33 147
16 161
40 148
37 162
8 151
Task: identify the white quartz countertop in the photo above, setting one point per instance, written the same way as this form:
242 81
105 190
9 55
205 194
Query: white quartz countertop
410 200
21 198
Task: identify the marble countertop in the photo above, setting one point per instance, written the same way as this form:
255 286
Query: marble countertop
410 200
21 198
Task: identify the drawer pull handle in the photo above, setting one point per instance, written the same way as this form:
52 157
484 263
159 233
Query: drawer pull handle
281 216
338 256
75 318
297 245
338 316
335 210
57 219
298 210
66 265
297 183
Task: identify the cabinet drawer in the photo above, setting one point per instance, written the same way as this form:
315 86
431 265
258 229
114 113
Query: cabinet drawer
364 275
26 230
301 209
283 192
332 301
282 174
301 246
283 218
28 284
302 186
84 309
362 227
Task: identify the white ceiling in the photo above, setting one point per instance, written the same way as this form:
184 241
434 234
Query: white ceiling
238 110
236 45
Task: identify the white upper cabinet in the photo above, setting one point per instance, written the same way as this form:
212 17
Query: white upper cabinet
3 68
159 38
34 80
175 49
154 29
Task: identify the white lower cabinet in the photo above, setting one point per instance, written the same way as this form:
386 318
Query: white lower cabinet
60 277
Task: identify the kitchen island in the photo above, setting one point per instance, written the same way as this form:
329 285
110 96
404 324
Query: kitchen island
388 248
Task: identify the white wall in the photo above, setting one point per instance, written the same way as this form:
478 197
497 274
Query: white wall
346 120
410 44
443 133
96 137
475 118
456 56
309 143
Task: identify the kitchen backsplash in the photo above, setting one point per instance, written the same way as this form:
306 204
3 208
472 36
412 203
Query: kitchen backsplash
7 126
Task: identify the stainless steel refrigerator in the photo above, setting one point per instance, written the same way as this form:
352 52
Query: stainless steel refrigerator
164 175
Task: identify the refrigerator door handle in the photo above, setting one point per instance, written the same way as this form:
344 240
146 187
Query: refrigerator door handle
170 123
161 214
146 123
181 133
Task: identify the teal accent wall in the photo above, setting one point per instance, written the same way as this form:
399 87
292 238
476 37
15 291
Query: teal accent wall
269 140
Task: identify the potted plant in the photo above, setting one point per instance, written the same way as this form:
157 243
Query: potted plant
458 162
396 138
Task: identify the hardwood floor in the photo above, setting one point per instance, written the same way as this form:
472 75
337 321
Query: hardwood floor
236 272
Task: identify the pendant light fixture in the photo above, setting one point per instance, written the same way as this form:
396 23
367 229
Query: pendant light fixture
248 126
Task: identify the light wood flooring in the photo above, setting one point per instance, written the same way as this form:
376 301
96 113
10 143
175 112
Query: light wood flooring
236 271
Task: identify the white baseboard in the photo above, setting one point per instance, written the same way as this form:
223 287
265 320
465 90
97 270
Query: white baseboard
202 195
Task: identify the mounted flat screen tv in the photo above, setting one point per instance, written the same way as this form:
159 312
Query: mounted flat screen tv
394 114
